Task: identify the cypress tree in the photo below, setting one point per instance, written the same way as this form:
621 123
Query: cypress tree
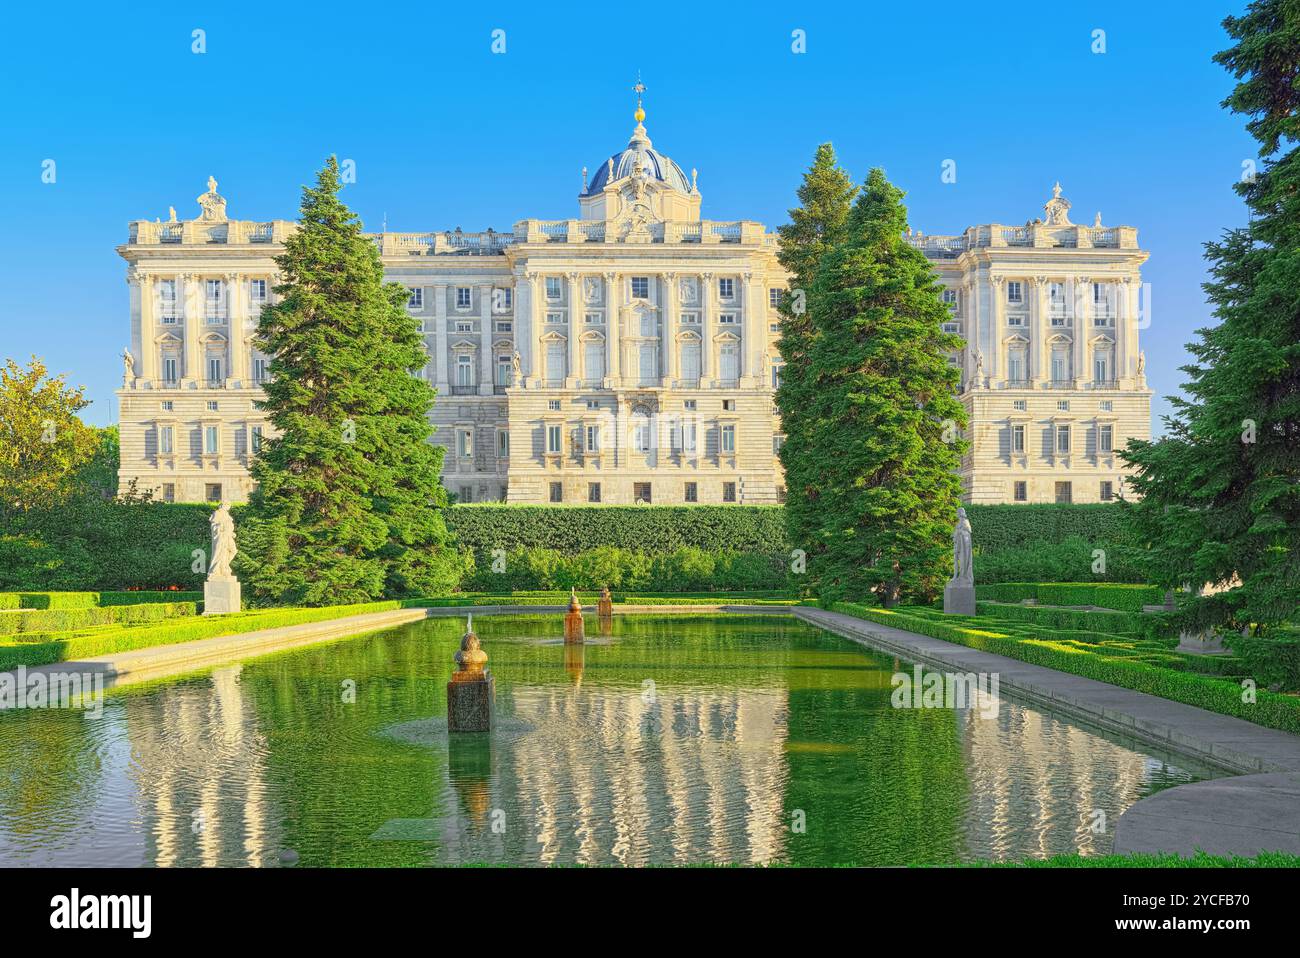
887 437
816 225
347 506
1220 492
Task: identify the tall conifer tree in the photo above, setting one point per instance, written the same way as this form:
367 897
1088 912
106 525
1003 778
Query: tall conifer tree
816 225
887 439
348 501
1220 492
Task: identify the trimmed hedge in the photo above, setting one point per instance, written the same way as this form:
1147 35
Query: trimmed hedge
997 528
102 640
71 619
1217 695
90 600
653 530
1122 597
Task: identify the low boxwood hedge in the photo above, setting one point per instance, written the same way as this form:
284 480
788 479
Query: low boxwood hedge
1117 596
103 640
90 600
69 620
1040 647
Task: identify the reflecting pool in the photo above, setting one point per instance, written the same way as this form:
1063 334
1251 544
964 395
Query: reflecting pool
672 740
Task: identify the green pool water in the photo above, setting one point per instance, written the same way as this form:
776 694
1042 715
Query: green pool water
671 741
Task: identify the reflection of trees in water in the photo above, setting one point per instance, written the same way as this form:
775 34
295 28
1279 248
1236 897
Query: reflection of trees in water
49 763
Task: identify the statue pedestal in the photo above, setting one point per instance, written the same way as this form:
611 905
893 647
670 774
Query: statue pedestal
221 596
469 704
958 599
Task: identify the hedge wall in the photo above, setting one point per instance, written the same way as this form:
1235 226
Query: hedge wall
649 529
69 619
1121 597
1007 527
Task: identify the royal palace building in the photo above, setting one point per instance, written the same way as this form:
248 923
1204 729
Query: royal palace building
629 354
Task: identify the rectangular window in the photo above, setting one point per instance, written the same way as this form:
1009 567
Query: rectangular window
466 327
503 444
593 438
728 492
729 440
690 319
505 327
1099 293
212 491
1062 439
1015 292
727 319
1101 368
592 319
255 439
1105 438
259 370
553 405
169 369
212 289
728 405
553 287
557 492
464 443
1064 492
416 299
168 405
1063 405
1107 491
554 439
1018 438
688 404
774 298
257 290
210 439
465 493
169 492
641 492
1021 493
1018 404
1015 319
503 299
726 288
214 370
692 493
1016 367
1107 405
689 436
464 298
166 441
212 405
950 297
167 301
640 287
464 370
593 492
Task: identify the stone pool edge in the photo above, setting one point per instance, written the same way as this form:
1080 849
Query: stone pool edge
1255 810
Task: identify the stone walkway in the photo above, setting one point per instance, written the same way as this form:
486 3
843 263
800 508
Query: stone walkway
1243 815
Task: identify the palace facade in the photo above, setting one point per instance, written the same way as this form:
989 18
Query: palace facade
629 354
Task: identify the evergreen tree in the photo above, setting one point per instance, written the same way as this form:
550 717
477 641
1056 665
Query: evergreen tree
815 226
347 506
886 440
1220 492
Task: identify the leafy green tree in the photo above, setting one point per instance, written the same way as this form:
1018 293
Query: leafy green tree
348 502
1219 494
886 438
816 225
43 442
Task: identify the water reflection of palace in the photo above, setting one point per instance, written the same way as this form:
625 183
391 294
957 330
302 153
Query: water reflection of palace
580 782
199 764
1046 799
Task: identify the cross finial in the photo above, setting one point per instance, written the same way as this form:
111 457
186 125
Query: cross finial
638 89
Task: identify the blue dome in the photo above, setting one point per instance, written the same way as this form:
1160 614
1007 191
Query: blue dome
654 163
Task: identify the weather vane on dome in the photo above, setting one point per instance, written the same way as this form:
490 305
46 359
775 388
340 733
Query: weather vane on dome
639 89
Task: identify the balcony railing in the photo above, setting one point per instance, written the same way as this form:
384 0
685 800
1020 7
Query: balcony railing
499 389
1059 384
1104 384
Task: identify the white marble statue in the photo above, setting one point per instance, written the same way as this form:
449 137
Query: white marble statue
223 543
128 365
963 571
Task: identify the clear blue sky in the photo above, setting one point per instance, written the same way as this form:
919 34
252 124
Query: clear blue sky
444 133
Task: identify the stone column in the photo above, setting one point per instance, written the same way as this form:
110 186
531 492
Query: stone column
671 315
148 359
755 343
706 332
237 360
1042 330
613 325
193 305
485 380
537 307
1132 335
1082 329
573 289
440 337
995 333
1119 297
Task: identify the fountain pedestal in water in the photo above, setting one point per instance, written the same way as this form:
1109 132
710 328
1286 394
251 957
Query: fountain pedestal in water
574 628
472 690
